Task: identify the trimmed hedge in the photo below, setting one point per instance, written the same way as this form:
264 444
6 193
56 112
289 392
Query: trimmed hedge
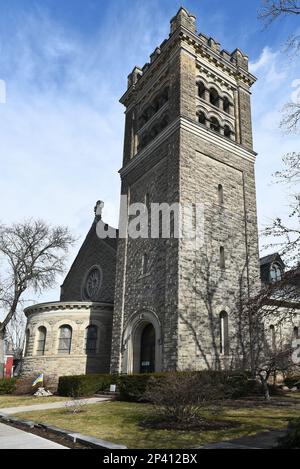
235 384
132 388
7 386
84 385
292 381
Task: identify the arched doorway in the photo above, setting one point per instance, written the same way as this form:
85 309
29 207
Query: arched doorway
147 351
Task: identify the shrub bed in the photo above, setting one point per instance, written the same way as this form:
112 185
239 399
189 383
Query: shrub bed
7 386
84 385
292 439
292 381
132 388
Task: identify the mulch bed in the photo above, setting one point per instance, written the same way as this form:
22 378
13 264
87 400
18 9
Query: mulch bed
198 425
48 435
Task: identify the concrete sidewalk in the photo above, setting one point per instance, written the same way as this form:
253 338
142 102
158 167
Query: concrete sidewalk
265 440
53 405
13 438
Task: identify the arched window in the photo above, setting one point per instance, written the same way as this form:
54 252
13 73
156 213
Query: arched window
201 118
220 194
227 131
296 333
214 98
226 105
27 339
145 264
91 335
275 273
222 257
65 339
273 337
224 335
214 124
201 90
42 333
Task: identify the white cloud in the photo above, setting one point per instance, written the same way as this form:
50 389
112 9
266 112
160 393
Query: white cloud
271 65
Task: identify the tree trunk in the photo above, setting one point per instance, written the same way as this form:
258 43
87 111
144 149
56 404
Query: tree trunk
266 390
2 359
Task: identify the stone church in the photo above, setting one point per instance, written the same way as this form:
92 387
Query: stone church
141 305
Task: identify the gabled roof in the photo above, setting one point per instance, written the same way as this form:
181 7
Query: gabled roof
270 258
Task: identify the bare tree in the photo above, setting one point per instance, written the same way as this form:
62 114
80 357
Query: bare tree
32 254
286 236
273 9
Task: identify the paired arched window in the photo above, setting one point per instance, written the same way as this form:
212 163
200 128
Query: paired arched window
227 131
201 90
214 98
91 336
226 105
41 342
215 124
222 257
201 118
224 333
65 339
220 194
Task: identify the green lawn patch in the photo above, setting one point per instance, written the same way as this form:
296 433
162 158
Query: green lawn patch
14 401
119 422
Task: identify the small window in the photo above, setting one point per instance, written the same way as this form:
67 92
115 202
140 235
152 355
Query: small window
27 339
275 273
214 124
201 90
65 339
220 194
222 257
145 264
42 333
227 131
201 118
273 337
214 98
296 333
224 333
226 105
91 335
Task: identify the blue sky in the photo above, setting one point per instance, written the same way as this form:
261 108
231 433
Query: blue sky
65 64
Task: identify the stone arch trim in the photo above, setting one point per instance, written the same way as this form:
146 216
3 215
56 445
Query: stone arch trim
132 336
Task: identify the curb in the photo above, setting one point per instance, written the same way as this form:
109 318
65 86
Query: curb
95 443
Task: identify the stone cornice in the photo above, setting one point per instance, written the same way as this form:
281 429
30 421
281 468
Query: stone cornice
197 129
65 305
184 35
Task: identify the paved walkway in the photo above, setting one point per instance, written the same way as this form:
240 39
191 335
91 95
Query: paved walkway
266 440
49 406
13 438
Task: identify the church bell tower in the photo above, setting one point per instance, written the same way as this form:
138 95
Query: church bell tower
188 140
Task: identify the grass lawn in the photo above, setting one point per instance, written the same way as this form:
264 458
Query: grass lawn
14 401
119 422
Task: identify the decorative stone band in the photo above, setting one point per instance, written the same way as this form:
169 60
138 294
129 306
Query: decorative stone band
58 306
197 129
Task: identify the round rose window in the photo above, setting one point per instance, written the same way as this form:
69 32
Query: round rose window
92 284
